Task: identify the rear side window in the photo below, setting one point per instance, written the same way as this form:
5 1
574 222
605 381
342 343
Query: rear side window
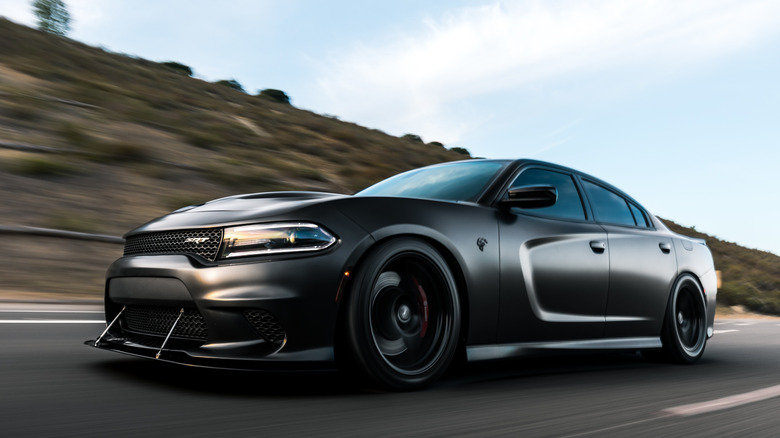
608 206
639 216
569 203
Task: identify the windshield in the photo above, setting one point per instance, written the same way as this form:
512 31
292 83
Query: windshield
459 181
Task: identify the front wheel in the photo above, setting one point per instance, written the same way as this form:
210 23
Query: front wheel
685 325
403 315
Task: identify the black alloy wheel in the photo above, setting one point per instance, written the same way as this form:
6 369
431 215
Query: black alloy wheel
685 324
403 315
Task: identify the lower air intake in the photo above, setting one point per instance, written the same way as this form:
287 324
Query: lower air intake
157 321
266 325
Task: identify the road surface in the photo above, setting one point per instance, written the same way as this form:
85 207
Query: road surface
51 385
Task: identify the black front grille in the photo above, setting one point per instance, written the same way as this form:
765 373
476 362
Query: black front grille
266 325
204 243
157 321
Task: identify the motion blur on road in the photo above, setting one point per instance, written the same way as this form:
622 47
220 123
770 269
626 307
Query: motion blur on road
54 386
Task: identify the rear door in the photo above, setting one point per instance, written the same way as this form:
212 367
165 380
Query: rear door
642 264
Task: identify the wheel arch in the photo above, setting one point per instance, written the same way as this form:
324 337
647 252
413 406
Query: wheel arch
708 285
695 278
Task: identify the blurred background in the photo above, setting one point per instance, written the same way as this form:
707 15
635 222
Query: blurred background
113 113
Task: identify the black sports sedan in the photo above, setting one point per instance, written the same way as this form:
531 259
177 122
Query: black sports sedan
478 259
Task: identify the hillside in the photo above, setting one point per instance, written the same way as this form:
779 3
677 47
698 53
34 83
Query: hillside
750 277
100 142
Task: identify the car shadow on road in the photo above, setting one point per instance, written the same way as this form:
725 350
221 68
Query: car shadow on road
227 382
541 364
328 383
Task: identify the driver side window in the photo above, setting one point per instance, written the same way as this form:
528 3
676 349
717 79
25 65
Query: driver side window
569 204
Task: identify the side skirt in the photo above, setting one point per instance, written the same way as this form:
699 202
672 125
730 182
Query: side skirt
488 352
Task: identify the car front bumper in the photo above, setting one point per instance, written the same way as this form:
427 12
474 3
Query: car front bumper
295 297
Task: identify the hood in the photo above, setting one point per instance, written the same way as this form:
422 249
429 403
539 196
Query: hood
237 209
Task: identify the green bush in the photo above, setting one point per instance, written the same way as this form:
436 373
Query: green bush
73 221
73 133
462 151
275 95
41 167
24 113
414 138
127 152
181 68
231 83
204 140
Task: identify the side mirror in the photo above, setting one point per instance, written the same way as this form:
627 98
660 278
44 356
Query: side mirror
536 196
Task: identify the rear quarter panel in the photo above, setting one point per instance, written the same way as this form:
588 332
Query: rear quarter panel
695 257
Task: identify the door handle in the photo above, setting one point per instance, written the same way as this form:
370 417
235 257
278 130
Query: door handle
666 248
598 246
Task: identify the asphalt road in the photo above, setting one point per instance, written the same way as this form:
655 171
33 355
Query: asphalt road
52 385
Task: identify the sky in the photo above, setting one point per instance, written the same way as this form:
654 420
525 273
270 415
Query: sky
675 102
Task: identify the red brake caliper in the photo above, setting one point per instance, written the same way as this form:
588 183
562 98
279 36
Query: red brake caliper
423 301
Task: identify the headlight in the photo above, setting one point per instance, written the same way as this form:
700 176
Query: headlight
279 238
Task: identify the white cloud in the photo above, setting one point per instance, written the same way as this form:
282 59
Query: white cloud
421 80
17 11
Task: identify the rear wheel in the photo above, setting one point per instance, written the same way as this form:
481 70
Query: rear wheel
403 316
685 325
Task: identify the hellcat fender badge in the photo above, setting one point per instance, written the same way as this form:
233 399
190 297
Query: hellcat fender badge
481 242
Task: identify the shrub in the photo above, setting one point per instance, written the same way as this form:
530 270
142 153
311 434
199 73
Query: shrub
275 95
181 68
344 134
73 133
24 113
41 167
205 140
462 151
231 83
126 152
413 138
73 221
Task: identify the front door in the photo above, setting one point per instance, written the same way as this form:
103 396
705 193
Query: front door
554 267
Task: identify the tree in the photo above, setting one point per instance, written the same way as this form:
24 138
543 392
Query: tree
52 15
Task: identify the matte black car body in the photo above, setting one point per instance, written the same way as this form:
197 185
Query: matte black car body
517 278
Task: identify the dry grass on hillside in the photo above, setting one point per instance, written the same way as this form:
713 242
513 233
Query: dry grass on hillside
102 142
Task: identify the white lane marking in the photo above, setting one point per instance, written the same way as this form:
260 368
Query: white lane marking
718 332
50 321
50 311
744 323
722 403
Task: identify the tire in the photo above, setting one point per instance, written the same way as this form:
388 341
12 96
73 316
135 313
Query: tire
685 324
402 316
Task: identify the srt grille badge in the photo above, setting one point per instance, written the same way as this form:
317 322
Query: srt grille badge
481 242
197 240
